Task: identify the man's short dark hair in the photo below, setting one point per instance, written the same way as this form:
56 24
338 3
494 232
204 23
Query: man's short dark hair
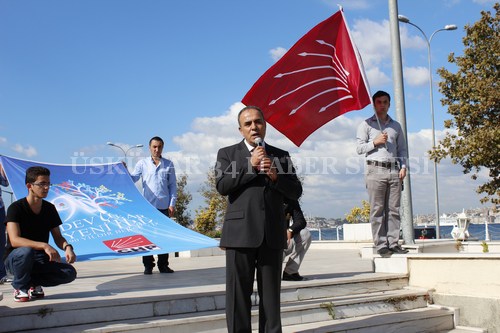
381 93
33 172
250 107
157 138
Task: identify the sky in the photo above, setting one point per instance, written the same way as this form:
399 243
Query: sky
76 74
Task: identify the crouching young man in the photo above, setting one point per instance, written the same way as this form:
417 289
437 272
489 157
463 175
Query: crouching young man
30 258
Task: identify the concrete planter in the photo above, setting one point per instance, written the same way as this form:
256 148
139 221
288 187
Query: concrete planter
357 232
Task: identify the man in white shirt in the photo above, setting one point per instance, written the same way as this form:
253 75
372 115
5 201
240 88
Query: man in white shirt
381 140
159 187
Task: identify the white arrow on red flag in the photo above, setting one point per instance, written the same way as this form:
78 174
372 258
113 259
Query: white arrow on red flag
320 78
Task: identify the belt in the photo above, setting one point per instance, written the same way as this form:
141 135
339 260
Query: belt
388 165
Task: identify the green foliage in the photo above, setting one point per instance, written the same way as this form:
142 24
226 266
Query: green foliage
209 219
181 214
485 247
359 214
204 222
472 95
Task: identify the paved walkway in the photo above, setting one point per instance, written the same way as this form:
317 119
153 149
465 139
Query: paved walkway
123 278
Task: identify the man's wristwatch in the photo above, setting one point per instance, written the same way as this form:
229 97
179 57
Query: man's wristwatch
67 246
290 230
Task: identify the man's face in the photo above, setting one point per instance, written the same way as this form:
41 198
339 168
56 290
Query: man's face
156 148
381 105
40 188
252 125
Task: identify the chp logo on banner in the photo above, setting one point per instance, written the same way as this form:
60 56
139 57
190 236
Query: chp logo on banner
320 78
135 243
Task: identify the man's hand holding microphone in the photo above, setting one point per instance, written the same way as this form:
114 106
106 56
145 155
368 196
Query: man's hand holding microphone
261 162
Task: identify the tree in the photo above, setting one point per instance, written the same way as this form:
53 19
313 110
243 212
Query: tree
359 214
472 95
211 217
205 220
181 214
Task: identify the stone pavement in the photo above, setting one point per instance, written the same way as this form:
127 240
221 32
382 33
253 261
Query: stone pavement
123 278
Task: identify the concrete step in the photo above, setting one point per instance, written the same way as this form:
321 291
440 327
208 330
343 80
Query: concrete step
408 321
327 309
342 286
65 314
463 329
293 313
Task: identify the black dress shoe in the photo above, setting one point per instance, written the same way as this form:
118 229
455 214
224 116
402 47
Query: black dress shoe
148 270
166 269
292 277
398 250
384 252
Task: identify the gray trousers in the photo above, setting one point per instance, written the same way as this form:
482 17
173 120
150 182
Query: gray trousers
384 195
297 248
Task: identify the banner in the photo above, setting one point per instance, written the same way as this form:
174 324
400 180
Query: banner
320 78
104 215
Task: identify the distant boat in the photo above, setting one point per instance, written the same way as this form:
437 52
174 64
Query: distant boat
448 220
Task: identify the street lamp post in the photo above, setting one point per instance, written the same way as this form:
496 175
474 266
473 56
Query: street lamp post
404 19
123 150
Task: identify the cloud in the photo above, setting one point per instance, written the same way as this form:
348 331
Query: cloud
28 151
373 41
411 41
416 76
376 77
277 53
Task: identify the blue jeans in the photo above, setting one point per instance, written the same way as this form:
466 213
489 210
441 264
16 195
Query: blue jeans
2 242
32 268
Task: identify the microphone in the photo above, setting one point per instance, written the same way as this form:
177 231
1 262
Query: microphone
258 141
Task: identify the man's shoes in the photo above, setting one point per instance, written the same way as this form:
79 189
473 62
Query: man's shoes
397 249
36 292
292 277
166 269
21 296
384 252
148 270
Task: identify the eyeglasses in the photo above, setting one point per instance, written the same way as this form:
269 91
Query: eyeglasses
44 185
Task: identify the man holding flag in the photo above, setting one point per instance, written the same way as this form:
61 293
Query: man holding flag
380 139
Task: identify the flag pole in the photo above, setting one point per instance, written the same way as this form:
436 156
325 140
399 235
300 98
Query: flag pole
397 74
360 65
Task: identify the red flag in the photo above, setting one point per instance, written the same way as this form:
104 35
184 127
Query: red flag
320 78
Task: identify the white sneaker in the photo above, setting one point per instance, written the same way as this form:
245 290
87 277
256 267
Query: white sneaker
21 296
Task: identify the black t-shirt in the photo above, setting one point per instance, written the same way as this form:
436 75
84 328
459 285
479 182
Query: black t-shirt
33 226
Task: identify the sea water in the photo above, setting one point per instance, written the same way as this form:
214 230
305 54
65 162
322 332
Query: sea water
476 231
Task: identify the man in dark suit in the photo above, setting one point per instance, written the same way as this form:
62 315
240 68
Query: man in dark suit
256 178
